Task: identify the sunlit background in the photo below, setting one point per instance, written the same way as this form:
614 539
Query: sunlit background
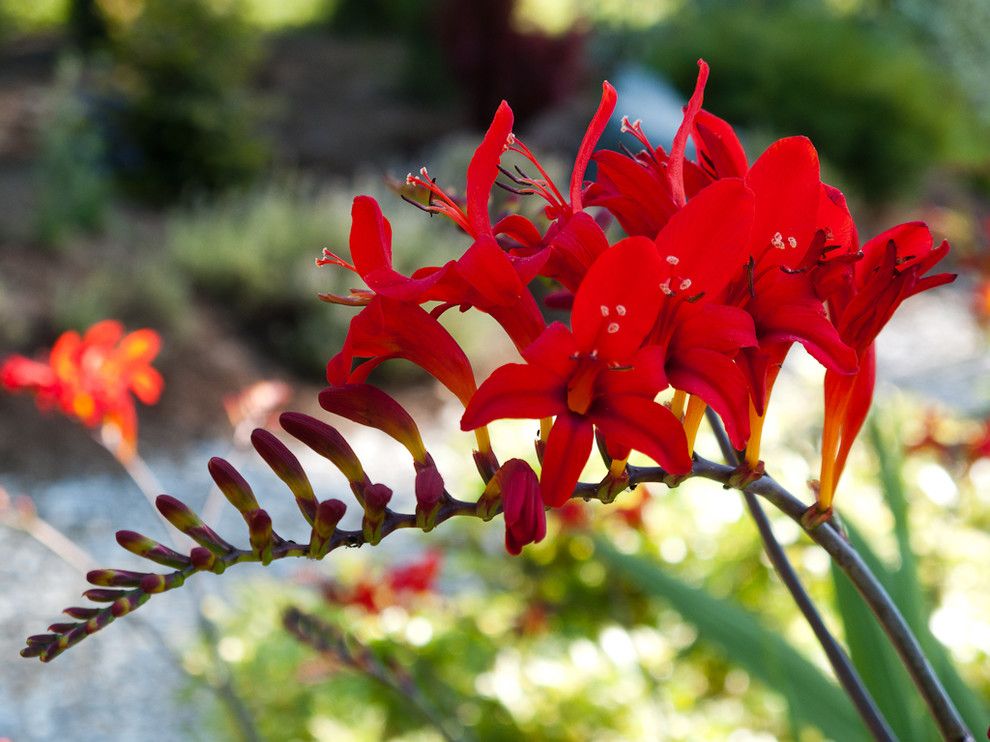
179 165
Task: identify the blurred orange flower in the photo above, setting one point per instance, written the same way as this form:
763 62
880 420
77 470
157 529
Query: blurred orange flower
92 377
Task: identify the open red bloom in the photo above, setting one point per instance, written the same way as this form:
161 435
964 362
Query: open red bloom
485 277
92 378
388 328
596 375
892 269
702 248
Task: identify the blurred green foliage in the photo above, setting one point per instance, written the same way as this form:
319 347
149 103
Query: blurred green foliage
866 94
74 188
179 115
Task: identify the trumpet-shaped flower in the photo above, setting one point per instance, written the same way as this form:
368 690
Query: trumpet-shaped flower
596 374
893 268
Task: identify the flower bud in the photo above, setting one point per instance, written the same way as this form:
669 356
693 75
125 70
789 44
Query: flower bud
287 467
326 441
376 498
233 485
179 515
525 517
328 515
151 549
370 406
261 535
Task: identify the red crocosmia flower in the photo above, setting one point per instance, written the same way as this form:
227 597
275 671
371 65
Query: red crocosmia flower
574 239
387 329
644 190
92 377
892 269
485 277
776 289
596 375
702 248
525 516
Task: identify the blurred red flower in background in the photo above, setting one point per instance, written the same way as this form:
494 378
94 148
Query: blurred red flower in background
92 377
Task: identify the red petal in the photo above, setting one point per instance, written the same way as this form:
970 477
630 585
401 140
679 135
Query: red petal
644 426
371 237
490 272
518 228
387 327
523 322
807 325
720 383
675 165
104 334
553 350
709 238
859 397
787 184
617 303
483 170
516 391
595 128
717 327
574 249
718 146
568 447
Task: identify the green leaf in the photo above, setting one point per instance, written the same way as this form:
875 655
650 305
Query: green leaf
760 651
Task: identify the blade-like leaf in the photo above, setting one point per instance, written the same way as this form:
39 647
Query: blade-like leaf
746 641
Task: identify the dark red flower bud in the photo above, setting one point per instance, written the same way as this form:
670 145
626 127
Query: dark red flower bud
429 485
179 515
203 559
370 406
287 467
261 535
326 441
233 485
151 549
376 497
525 518
328 515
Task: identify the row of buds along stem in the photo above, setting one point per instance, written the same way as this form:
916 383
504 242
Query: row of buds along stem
125 590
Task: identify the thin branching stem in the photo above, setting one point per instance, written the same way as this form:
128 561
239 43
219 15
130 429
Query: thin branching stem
950 724
843 668
940 705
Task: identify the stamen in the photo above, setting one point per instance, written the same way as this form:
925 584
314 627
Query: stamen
791 242
673 259
665 288
443 205
778 241
604 311
612 328
685 284
620 309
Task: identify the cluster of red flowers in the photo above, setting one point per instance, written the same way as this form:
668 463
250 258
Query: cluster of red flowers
92 377
722 267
